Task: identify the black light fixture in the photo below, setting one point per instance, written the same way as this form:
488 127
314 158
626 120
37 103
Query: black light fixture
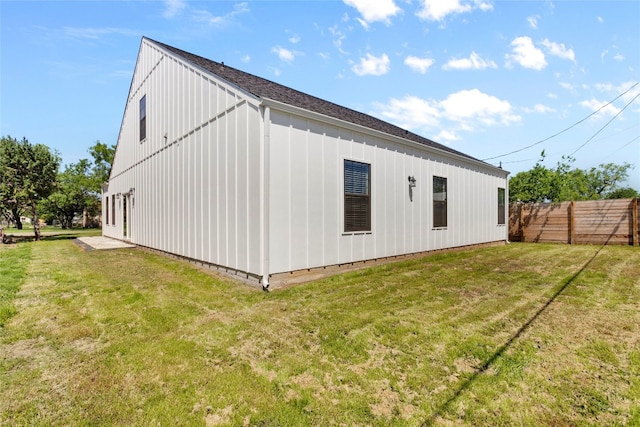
412 183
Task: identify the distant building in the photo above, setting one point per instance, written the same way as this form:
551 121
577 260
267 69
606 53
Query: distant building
229 169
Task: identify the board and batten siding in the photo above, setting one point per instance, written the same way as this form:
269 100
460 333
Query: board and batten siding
196 177
306 198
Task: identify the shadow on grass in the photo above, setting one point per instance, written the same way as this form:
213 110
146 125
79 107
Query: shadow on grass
500 351
47 236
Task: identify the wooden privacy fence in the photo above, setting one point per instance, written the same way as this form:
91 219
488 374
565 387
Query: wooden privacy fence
609 222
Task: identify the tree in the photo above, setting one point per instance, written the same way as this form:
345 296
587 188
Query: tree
12 201
535 185
80 186
29 173
623 193
74 194
102 160
565 183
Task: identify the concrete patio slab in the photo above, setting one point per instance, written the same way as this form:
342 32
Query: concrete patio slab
102 242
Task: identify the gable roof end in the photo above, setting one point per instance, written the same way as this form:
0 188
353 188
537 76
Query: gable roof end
263 88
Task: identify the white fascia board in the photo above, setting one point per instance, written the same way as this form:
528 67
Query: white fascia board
253 99
287 108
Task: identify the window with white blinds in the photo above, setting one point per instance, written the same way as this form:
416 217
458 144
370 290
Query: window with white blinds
357 197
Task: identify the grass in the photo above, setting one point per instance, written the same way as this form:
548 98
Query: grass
524 334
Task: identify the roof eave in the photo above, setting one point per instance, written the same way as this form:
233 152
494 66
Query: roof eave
288 108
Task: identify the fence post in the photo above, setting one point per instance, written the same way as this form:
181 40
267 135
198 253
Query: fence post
635 241
572 223
521 222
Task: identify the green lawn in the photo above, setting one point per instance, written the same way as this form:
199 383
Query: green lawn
522 334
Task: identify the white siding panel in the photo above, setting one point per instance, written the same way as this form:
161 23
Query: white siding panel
308 157
279 203
298 194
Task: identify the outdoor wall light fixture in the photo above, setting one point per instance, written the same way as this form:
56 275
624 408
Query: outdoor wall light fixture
412 183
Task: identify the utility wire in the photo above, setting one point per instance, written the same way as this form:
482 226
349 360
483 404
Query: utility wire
570 127
605 125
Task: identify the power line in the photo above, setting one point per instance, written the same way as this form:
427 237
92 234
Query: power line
570 127
605 125
619 149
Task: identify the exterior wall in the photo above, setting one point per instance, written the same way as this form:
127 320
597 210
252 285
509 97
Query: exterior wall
192 186
307 196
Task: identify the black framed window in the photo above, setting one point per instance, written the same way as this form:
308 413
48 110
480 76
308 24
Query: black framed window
501 206
439 202
107 211
113 209
143 117
357 196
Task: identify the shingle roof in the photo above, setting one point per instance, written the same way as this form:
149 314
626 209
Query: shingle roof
263 88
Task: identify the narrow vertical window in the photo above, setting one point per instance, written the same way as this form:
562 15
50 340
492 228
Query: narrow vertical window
501 206
143 118
107 211
113 209
357 199
439 202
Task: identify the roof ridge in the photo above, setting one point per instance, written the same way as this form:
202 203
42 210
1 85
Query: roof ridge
264 88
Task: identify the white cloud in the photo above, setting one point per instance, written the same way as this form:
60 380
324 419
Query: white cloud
594 104
411 112
559 50
438 10
567 86
600 20
172 8
374 11
294 39
474 62
526 54
618 57
245 59
473 105
533 21
446 136
96 33
338 38
208 18
540 108
421 65
612 91
285 55
466 110
372 65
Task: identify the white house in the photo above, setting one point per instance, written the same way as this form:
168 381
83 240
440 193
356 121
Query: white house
240 173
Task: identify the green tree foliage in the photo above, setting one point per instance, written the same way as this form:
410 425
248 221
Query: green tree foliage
28 175
102 160
564 183
74 194
12 201
79 187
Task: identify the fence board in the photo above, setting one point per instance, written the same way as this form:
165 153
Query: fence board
584 222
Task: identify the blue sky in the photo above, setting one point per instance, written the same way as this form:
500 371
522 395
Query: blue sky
484 77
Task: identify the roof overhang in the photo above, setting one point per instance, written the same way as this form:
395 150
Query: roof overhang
287 108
